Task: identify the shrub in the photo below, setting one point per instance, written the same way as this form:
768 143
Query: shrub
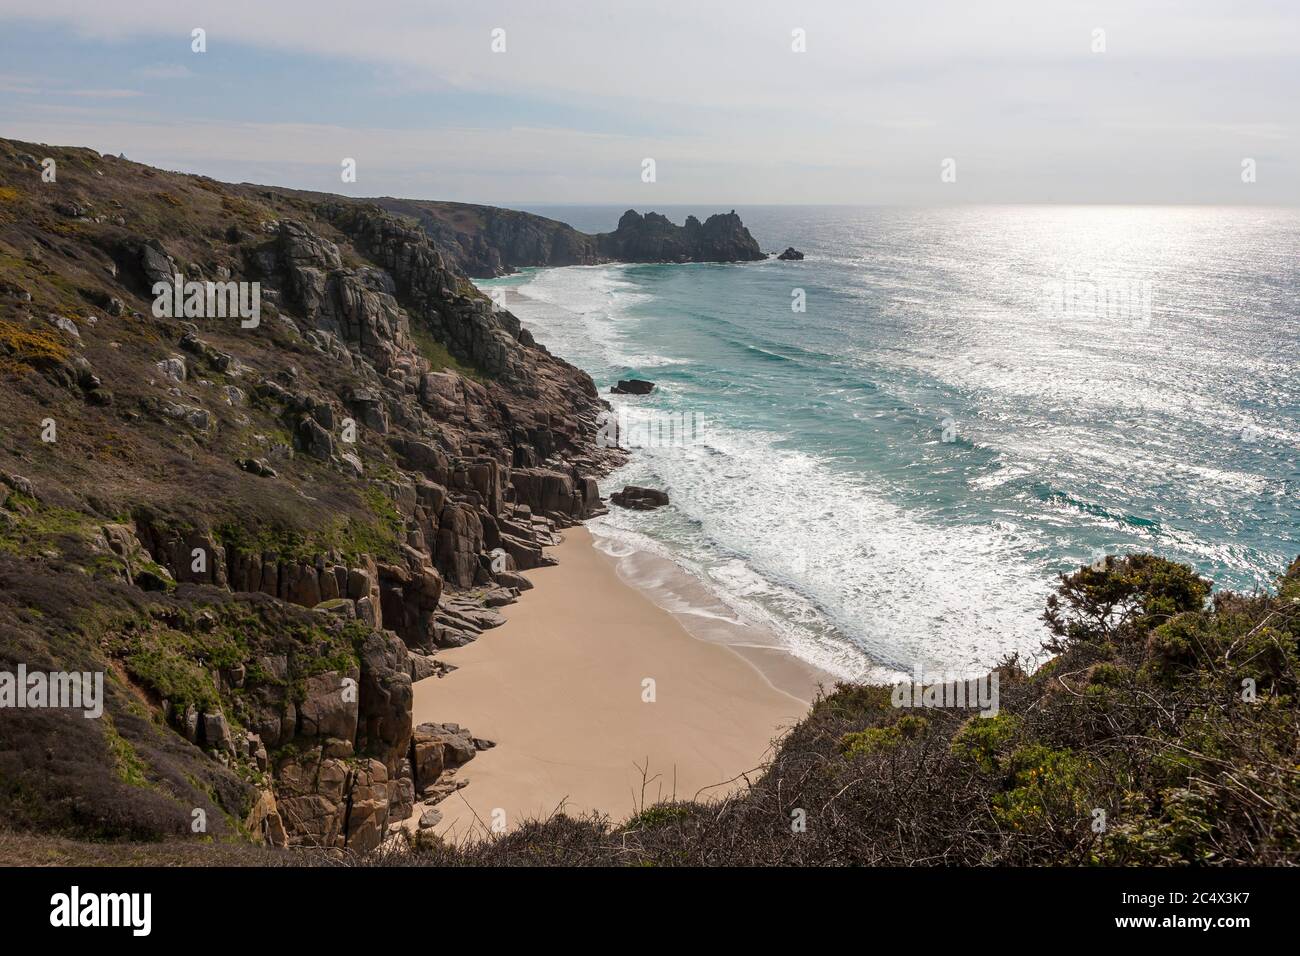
1121 598
983 739
1049 788
874 739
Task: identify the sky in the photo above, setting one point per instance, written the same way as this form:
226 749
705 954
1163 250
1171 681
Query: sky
1027 98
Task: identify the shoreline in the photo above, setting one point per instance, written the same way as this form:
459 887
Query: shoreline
703 614
561 689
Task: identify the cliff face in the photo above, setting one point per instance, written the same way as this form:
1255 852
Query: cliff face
485 241
261 528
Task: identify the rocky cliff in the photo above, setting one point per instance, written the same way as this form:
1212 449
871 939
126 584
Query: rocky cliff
486 241
259 527
653 238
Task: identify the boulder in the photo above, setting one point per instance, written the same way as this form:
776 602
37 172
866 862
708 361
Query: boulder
511 579
430 818
460 539
311 794
422 666
633 386
401 793
436 748
257 466
638 498
173 368
499 597
156 264
264 820
216 732
315 440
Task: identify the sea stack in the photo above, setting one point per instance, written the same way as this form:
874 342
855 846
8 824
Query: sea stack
653 238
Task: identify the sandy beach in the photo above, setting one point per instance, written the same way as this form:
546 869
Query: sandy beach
562 689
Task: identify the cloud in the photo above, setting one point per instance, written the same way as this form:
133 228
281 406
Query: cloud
714 92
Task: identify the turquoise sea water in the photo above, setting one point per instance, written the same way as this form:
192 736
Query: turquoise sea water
973 401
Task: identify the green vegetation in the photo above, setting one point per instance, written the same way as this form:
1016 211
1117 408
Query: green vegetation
380 537
174 655
173 664
984 739
29 528
23 349
439 357
875 739
1045 785
379 534
127 764
657 816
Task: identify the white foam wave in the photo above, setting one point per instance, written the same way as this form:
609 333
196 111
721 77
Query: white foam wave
788 531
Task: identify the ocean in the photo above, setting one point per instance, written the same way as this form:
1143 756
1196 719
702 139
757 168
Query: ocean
970 402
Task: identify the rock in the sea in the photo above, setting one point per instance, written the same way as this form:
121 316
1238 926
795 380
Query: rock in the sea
653 238
633 386
638 498
791 253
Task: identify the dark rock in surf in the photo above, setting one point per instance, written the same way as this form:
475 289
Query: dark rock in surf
791 254
632 386
638 498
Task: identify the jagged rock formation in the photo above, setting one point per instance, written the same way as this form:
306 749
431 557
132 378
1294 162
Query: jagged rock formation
260 535
653 238
485 241
791 254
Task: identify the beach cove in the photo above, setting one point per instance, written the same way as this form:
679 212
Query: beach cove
561 689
